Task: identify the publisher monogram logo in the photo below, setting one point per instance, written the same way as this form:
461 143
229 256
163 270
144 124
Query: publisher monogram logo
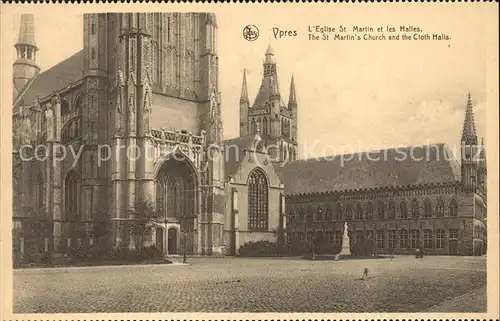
251 33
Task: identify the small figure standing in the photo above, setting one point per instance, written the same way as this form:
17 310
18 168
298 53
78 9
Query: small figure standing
365 273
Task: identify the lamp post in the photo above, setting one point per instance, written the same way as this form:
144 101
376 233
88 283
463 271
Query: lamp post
314 244
184 259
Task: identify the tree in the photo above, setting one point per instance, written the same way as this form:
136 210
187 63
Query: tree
101 226
144 217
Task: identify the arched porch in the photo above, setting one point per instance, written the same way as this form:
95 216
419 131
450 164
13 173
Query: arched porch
177 205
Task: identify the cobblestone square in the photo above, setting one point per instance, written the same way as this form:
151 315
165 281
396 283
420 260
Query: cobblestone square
404 284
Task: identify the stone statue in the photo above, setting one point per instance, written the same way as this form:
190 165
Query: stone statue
346 246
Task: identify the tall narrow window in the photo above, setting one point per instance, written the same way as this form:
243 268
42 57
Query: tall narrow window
403 239
171 209
338 212
403 209
392 211
348 212
440 208
428 239
427 208
415 239
328 213
258 201
264 126
453 207
380 239
160 198
440 239
415 211
369 211
71 197
359 212
381 211
392 239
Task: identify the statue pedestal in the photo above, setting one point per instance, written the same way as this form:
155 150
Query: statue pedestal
346 246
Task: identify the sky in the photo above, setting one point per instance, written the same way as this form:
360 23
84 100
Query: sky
352 95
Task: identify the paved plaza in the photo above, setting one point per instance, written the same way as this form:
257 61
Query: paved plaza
404 284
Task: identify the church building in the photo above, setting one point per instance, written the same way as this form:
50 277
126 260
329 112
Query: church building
129 129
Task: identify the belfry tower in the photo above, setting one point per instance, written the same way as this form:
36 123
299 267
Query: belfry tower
276 120
25 66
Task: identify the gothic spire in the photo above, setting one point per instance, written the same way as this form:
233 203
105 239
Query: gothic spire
292 99
469 129
244 90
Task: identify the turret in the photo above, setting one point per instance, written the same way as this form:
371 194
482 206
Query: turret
25 66
482 166
244 105
469 149
292 106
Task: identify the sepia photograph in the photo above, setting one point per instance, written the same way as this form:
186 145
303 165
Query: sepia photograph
251 158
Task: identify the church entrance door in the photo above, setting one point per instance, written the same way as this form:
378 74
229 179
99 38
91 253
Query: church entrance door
172 241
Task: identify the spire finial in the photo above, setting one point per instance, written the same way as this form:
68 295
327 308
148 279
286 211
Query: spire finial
244 90
469 129
292 99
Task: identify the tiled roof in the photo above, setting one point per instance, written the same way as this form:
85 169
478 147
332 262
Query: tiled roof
364 171
56 78
234 153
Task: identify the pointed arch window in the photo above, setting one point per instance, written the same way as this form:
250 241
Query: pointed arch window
381 210
359 212
258 201
71 196
328 213
403 208
369 211
392 211
453 208
427 208
160 199
440 208
64 107
415 210
338 212
348 212
264 126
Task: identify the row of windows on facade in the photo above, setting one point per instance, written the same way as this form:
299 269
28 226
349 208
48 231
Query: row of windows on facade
326 214
265 127
407 239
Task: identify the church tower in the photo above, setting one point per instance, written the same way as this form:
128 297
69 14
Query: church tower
469 149
25 66
276 120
